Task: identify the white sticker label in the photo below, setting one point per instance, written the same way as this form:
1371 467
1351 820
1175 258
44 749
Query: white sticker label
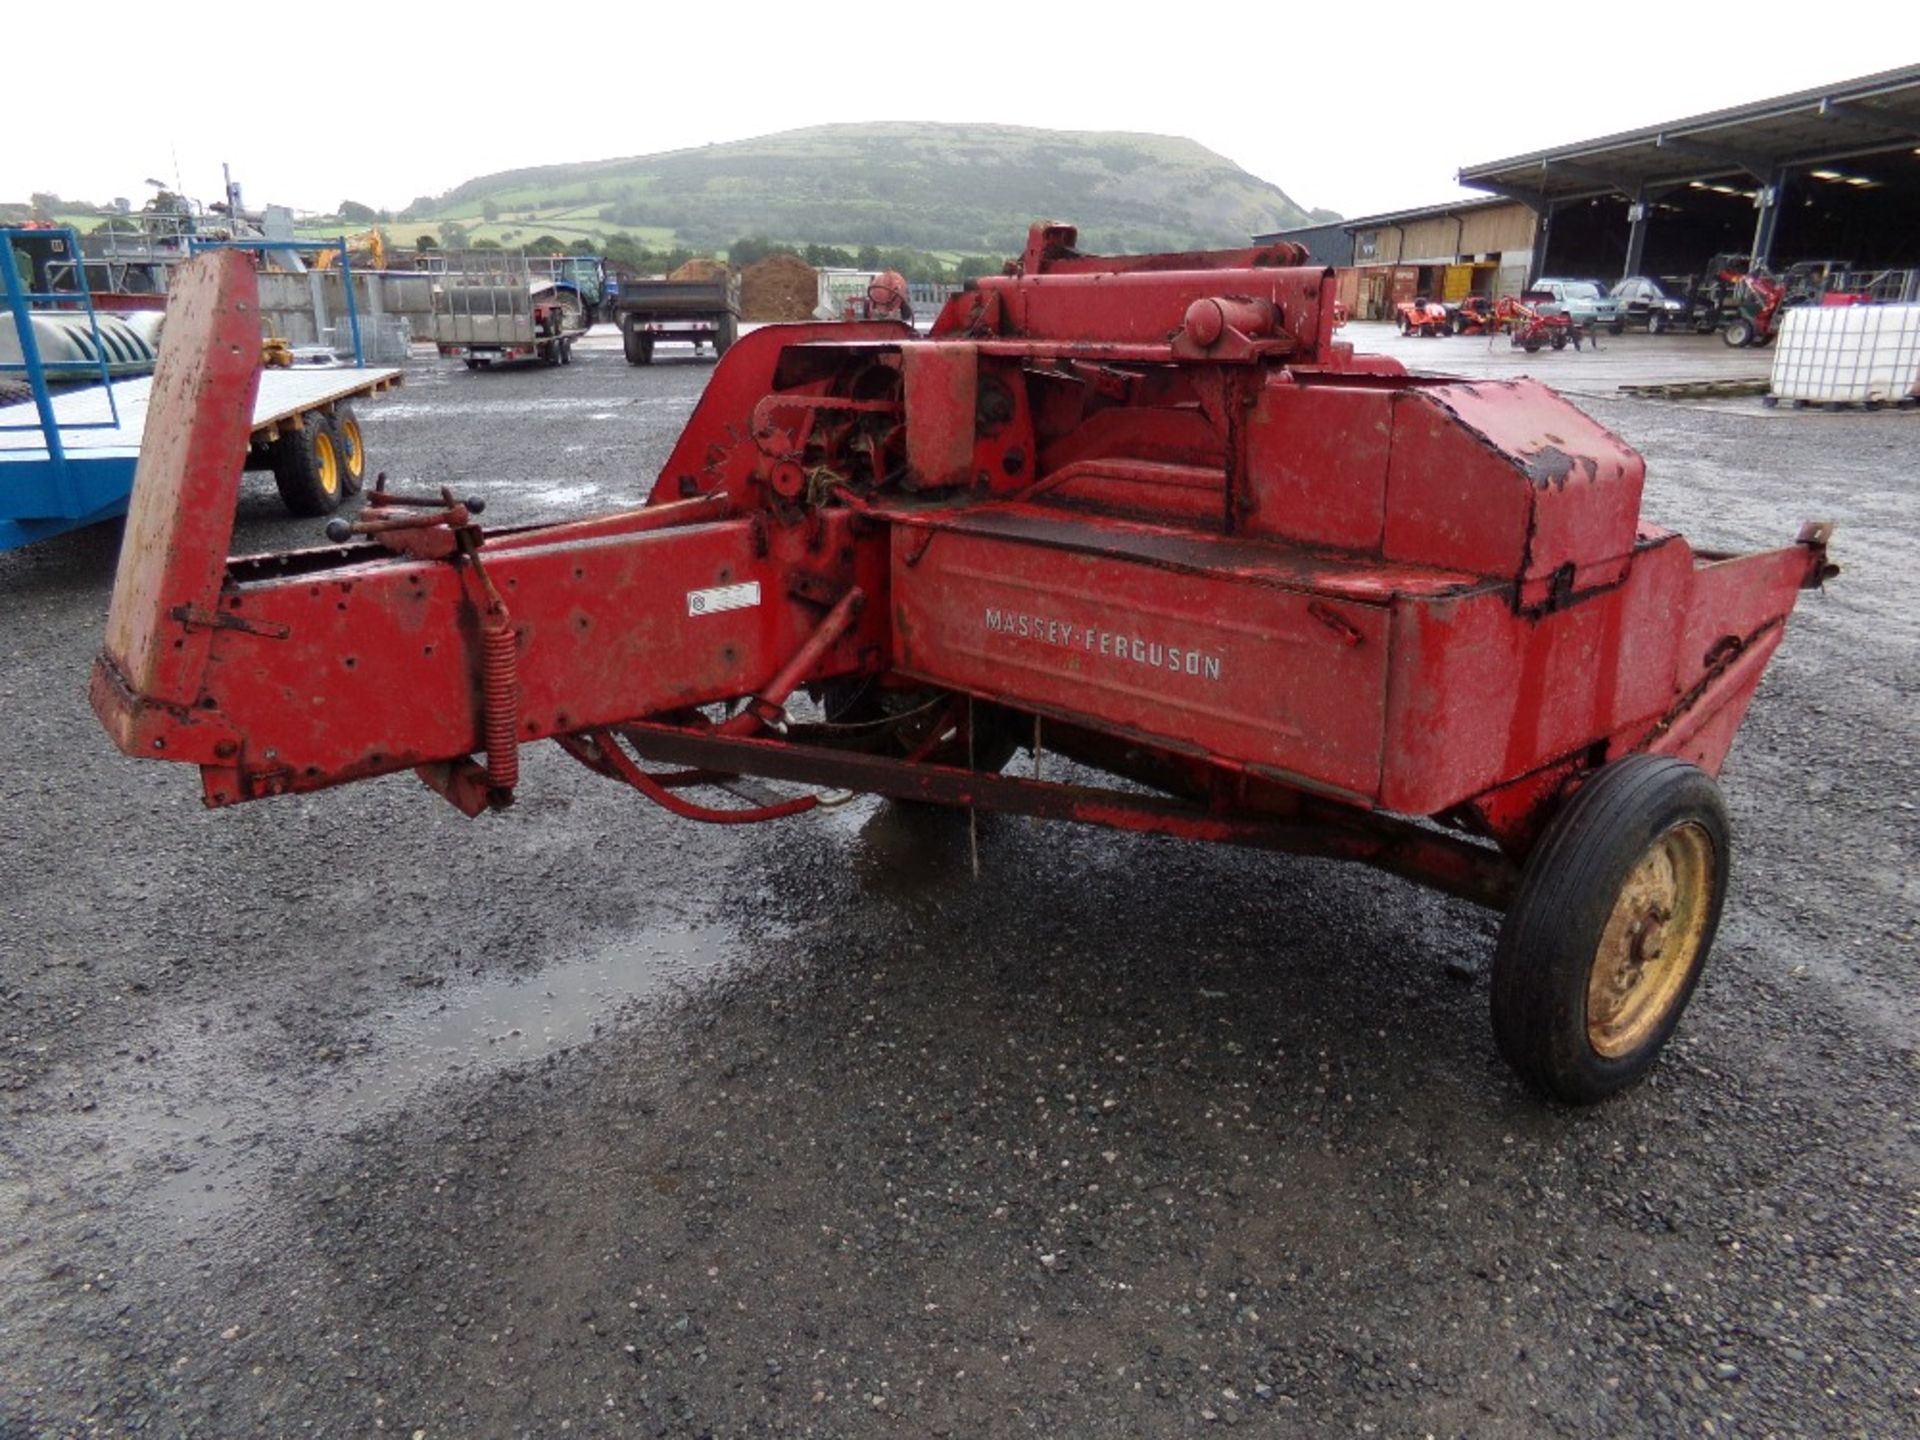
722 598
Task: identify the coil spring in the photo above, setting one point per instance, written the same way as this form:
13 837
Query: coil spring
501 680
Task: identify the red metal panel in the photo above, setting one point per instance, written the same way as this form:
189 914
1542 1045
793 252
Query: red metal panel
1585 480
942 387
374 668
1452 499
1506 478
1253 674
1480 696
180 520
1317 464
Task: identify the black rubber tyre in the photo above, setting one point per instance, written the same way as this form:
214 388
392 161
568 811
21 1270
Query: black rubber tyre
1589 910
725 333
638 347
308 469
1530 346
1739 333
353 447
1559 341
566 352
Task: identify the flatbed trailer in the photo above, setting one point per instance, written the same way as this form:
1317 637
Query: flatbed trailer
304 430
695 312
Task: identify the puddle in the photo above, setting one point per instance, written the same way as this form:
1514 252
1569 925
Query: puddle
210 1144
599 407
562 494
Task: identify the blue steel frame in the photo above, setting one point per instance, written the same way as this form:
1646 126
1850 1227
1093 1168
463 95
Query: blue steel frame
44 495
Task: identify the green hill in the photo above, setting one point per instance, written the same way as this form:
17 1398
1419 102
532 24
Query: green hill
951 188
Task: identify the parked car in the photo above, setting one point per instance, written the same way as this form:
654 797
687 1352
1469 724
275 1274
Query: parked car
1583 302
1642 300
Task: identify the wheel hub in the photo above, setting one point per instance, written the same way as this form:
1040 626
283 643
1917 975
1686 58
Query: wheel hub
1651 941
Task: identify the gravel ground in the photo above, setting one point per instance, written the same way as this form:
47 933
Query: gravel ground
344 1115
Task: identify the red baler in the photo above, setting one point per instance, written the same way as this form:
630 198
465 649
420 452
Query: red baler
1141 512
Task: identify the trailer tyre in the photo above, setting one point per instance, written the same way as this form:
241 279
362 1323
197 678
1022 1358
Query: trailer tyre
724 334
638 348
307 468
353 448
1739 333
1611 925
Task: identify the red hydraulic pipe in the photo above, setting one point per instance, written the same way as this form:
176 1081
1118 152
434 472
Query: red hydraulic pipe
766 707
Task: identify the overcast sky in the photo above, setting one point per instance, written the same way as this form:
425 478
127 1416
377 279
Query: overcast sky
1361 108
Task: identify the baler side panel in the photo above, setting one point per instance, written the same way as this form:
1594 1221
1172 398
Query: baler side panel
1254 675
1480 697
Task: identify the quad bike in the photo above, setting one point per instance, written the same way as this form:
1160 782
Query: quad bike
1421 316
1475 315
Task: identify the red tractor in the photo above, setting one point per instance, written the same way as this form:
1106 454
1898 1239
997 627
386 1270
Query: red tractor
1139 512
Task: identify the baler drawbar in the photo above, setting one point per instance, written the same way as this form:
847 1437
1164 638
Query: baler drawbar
1141 512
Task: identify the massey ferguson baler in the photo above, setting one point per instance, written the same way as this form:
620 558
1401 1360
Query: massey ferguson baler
1140 512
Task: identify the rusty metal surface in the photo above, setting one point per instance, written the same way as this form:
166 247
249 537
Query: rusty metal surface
180 519
1448 862
1148 498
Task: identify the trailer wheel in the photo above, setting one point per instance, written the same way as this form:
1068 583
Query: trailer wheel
638 348
1606 937
724 334
1739 333
307 467
353 448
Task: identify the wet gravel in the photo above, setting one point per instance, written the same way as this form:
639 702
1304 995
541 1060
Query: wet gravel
344 1115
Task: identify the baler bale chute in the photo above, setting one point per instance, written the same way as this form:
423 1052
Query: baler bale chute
1141 512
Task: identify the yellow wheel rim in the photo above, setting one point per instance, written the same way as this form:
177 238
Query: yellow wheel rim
326 462
1652 941
353 456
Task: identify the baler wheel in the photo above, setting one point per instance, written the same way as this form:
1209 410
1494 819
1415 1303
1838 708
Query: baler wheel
1739 333
1610 928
